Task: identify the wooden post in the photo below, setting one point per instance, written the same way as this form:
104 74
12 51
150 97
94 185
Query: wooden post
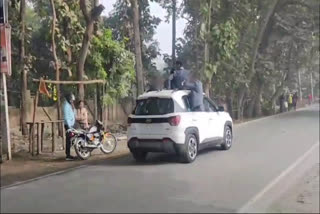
96 104
63 136
30 138
42 136
53 137
5 127
38 137
34 120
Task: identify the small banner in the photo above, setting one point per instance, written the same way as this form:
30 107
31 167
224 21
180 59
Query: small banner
5 49
43 88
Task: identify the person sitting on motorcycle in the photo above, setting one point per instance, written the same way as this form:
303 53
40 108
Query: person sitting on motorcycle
69 121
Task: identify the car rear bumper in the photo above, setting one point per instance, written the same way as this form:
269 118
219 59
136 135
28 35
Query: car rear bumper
165 145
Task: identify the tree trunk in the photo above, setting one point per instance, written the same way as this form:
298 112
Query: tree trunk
22 70
206 48
173 32
254 108
67 35
56 62
250 109
257 105
83 55
255 49
229 102
96 24
97 95
137 49
259 37
242 92
90 18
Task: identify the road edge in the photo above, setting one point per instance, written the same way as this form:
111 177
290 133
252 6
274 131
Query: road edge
61 171
248 207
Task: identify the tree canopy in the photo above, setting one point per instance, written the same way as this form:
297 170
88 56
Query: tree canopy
247 52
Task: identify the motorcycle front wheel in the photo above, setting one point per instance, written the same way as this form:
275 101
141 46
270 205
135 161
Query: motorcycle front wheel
82 152
108 143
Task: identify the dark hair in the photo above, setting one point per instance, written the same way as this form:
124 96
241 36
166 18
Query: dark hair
69 96
178 63
80 101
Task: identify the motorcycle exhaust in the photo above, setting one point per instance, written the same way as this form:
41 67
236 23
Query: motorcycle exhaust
92 146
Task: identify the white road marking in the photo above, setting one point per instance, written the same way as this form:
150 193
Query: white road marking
246 207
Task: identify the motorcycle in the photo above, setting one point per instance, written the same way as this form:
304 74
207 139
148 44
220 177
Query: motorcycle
85 142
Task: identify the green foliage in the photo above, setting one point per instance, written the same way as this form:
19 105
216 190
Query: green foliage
225 39
121 24
110 60
70 27
290 43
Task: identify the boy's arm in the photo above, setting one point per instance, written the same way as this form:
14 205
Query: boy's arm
190 86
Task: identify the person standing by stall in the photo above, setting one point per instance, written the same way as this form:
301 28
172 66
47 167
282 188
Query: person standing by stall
69 121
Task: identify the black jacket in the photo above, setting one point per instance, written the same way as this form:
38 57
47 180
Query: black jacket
178 77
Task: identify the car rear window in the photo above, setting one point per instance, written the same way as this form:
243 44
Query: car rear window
154 106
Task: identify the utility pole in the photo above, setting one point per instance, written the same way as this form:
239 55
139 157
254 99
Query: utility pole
173 32
5 69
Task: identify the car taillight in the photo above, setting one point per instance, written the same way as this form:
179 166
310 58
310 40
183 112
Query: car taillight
174 121
129 121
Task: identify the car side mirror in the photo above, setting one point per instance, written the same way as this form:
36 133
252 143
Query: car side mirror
220 108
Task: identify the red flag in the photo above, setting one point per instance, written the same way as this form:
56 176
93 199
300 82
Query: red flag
43 88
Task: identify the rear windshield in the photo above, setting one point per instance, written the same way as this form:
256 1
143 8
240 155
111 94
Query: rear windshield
154 106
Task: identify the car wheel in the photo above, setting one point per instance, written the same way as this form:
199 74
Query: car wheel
190 151
139 156
227 138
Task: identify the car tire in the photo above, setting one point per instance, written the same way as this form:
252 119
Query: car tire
227 138
190 150
139 156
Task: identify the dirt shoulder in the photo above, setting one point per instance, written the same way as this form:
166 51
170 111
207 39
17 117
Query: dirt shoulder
303 197
24 166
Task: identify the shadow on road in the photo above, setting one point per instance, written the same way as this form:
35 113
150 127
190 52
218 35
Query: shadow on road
153 159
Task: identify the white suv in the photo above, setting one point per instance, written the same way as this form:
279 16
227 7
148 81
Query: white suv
163 122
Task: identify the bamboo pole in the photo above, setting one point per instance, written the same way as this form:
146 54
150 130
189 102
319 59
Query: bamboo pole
34 120
85 82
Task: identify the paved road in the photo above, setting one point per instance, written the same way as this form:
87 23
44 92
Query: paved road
217 181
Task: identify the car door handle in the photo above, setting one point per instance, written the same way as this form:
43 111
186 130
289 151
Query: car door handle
210 118
194 120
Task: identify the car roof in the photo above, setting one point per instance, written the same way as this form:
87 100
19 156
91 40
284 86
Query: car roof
164 94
